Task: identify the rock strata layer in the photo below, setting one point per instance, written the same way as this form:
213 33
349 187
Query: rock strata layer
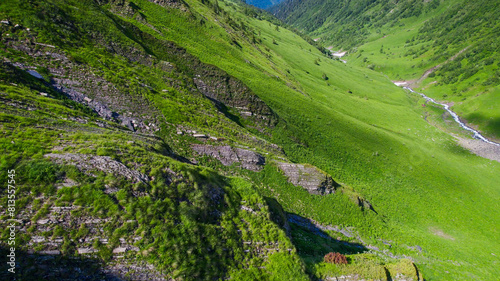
87 163
228 155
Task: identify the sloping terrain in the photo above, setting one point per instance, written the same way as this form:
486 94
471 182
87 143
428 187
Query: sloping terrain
348 23
181 140
447 49
263 4
94 182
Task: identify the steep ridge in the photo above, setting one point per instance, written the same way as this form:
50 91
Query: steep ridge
97 180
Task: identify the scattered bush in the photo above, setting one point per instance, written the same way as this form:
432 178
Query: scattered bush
335 258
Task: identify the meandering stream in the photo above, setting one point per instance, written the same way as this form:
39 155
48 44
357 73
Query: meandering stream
476 135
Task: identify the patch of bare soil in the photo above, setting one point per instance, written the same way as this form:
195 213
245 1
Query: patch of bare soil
440 233
481 148
416 83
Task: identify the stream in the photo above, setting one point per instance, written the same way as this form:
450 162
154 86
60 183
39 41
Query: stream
476 135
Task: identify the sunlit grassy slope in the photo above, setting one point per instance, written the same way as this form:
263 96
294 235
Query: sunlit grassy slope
404 48
403 39
368 134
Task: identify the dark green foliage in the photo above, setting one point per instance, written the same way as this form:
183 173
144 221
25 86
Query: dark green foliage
473 22
354 16
39 172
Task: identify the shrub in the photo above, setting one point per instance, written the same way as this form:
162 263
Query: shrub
335 258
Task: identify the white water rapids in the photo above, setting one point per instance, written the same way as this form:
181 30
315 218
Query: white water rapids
476 135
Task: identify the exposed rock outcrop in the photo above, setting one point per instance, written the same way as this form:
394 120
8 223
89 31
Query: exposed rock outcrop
166 3
129 8
225 90
309 177
87 163
107 101
228 155
51 265
365 204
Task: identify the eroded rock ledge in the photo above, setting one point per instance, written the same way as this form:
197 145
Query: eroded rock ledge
228 155
87 163
309 177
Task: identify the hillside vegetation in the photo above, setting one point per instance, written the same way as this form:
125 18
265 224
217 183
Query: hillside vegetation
153 147
405 39
263 4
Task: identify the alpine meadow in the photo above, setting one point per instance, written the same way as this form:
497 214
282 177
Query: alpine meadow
214 140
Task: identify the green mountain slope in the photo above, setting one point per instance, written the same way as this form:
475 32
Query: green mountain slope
164 130
406 39
263 4
348 23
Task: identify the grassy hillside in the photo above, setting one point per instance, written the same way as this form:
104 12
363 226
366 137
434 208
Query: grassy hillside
263 4
406 39
348 23
432 201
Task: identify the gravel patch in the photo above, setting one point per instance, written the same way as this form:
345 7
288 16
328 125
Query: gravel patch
481 148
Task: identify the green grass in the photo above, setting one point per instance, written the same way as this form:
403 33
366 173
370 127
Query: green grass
404 50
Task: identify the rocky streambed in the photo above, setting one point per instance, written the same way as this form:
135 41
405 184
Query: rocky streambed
480 145
476 134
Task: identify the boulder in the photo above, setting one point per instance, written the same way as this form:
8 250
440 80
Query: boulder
309 177
86 250
365 204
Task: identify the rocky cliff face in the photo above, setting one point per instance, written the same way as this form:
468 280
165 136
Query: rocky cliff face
309 177
111 98
224 90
